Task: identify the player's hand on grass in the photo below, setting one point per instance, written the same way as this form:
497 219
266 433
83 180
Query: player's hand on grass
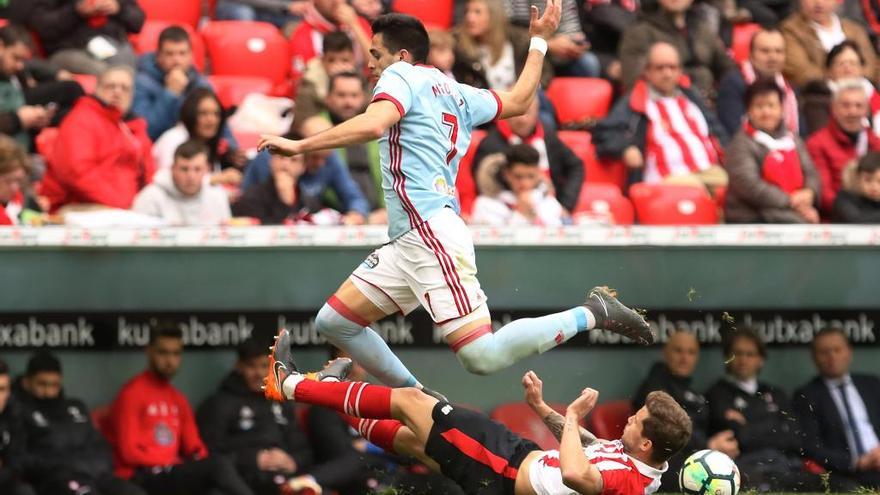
278 145
534 390
583 404
545 26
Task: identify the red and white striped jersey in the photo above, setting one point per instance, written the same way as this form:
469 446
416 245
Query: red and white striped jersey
622 474
678 139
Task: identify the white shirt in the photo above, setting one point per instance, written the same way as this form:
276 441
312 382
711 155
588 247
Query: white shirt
502 74
859 412
501 210
829 36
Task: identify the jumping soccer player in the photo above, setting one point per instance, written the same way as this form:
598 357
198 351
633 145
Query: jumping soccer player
424 120
483 456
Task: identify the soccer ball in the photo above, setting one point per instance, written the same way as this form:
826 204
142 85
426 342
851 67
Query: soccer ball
709 472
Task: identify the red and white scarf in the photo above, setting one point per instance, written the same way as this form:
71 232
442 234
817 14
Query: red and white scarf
536 140
789 105
782 164
10 212
678 139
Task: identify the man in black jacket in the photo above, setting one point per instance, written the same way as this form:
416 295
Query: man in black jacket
262 437
64 453
839 412
565 168
11 441
673 376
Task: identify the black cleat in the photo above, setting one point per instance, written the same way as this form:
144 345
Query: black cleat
335 370
612 315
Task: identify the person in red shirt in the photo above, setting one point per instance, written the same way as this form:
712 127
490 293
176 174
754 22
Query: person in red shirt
157 443
322 17
13 172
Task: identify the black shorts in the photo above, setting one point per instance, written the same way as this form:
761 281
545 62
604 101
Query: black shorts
482 456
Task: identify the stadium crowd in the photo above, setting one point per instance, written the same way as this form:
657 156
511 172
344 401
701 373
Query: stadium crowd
717 110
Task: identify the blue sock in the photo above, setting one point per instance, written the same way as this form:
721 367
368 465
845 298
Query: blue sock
522 338
365 346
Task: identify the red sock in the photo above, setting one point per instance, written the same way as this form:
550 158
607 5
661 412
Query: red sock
379 432
354 398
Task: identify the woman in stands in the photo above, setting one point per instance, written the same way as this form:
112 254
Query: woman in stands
202 118
772 177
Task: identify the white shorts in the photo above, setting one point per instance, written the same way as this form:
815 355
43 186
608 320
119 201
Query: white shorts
433 265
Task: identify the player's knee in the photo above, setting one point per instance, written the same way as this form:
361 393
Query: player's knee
475 362
334 326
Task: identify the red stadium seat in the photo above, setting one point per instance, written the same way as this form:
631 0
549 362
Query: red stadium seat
88 82
464 183
255 49
742 40
595 170
668 204
600 200
147 40
521 420
232 89
608 420
45 141
183 11
580 99
433 13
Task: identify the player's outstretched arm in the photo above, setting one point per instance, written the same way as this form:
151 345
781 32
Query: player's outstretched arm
555 422
368 126
517 100
578 473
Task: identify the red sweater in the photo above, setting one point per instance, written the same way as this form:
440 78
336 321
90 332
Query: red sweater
153 425
98 158
832 150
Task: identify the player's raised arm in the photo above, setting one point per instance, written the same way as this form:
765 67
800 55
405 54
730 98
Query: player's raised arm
368 126
578 473
517 100
555 422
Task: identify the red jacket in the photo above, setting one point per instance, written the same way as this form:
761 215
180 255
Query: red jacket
98 158
152 425
307 40
832 150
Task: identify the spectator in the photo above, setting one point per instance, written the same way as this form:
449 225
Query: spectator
28 105
157 442
11 440
183 195
102 154
489 52
569 50
324 172
758 415
839 412
279 13
261 437
673 376
844 61
860 203
322 17
63 451
86 37
604 23
369 9
845 139
442 51
560 167
701 52
811 33
202 118
645 128
767 13
337 57
13 173
772 178
164 79
766 60
525 201
867 15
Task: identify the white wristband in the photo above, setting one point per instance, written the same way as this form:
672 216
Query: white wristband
539 44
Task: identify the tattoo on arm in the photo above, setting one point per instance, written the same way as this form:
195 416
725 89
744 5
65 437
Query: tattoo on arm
556 423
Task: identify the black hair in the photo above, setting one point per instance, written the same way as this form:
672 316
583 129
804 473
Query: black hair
189 115
745 334
173 34
840 48
166 330
403 32
42 362
12 34
762 86
762 31
337 41
345 75
4 368
522 154
869 163
190 149
250 349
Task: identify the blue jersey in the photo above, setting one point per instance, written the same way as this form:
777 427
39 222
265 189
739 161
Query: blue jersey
420 154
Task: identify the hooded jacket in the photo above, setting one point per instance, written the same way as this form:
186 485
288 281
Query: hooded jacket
154 102
11 443
162 199
832 151
100 157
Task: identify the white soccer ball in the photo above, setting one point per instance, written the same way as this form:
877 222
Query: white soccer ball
709 472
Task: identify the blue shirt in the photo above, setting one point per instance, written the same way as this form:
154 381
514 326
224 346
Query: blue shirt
420 154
